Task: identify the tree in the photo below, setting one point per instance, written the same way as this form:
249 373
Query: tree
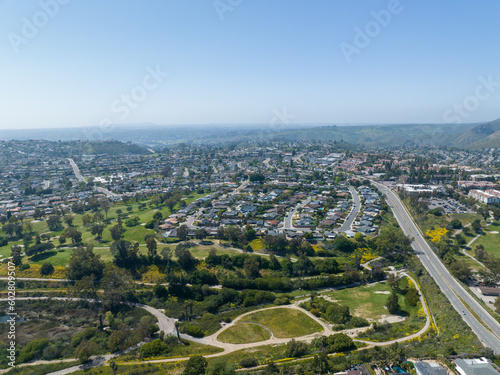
16 255
85 350
460 240
83 262
121 250
184 257
97 229
158 215
476 225
54 223
75 235
38 214
46 269
251 267
68 219
461 270
220 366
155 200
152 246
295 349
117 232
201 234
105 205
412 296
456 224
86 219
113 366
196 365
393 282
116 283
392 303
182 232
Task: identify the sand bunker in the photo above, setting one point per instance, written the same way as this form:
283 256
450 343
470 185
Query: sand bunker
382 292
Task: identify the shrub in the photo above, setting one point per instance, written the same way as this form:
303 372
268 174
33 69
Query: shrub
193 330
46 269
249 362
153 348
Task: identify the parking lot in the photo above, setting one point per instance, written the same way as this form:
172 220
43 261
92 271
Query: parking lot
449 206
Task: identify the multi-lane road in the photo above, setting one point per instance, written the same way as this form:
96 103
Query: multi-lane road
76 170
481 322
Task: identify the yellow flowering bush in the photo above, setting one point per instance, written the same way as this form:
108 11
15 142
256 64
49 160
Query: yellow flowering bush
436 234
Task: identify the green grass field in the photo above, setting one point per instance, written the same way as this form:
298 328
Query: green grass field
490 241
366 301
285 323
244 333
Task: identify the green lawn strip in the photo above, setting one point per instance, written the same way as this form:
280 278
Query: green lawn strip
285 323
244 333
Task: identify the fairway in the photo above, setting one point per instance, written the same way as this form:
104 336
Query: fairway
244 333
285 323
364 301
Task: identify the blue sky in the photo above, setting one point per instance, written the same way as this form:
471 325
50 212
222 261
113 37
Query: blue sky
81 63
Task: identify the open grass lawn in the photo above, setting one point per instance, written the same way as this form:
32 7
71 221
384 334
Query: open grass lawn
490 241
55 257
465 218
285 323
366 301
244 333
202 251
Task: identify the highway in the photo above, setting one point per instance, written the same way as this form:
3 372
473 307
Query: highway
489 333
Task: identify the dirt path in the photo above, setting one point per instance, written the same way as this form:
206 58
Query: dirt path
167 325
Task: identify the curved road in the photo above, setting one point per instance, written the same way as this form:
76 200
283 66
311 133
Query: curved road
484 325
356 206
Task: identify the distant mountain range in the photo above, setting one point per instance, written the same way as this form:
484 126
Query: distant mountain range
463 136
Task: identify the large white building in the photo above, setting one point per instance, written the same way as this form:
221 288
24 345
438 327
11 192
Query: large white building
486 196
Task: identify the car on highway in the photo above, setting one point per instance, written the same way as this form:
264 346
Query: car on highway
463 312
